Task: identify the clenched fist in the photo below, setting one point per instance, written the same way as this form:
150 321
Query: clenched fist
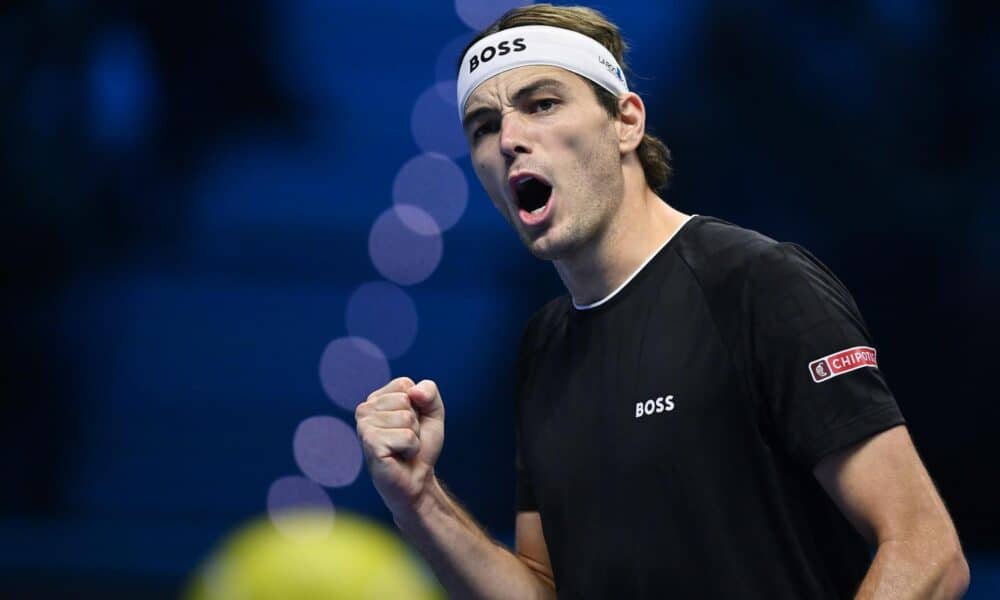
401 427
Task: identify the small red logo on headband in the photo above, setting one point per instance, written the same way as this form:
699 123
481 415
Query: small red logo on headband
842 362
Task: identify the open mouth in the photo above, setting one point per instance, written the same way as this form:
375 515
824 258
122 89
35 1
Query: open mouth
532 193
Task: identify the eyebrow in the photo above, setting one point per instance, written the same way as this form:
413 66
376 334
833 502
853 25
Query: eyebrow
528 90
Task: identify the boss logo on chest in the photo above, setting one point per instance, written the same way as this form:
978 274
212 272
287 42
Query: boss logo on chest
489 52
653 406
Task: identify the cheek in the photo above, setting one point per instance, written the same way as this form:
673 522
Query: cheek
483 175
573 141
589 145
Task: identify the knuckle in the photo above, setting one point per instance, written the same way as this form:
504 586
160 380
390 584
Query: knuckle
384 402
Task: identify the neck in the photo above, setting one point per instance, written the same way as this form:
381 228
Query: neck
642 224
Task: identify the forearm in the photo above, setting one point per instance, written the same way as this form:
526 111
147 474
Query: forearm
905 570
467 562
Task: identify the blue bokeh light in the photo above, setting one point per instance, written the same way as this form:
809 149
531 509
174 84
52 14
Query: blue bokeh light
434 184
446 65
291 496
383 313
327 450
123 88
351 368
477 14
435 123
405 245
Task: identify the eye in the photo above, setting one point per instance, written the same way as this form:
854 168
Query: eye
545 104
487 127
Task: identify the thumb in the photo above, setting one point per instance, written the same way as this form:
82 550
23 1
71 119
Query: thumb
426 398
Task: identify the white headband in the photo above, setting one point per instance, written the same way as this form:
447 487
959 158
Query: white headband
537 45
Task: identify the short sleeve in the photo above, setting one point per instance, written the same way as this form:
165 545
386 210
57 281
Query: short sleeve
814 363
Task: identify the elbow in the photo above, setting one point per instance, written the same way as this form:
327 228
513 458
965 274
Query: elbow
938 568
547 581
955 577
541 573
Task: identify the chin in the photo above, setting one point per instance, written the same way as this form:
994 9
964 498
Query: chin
540 248
544 253
547 248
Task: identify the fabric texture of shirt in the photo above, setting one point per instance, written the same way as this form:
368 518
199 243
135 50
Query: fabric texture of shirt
667 436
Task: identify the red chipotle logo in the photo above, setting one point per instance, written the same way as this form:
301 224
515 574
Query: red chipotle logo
842 362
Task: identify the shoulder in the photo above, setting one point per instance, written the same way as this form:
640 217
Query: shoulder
723 257
717 249
754 285
736 261
787 264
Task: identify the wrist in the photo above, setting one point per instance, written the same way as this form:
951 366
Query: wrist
416 514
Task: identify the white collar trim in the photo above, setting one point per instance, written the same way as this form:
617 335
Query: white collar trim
634 273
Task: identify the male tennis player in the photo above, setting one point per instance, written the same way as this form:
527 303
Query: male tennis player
702 416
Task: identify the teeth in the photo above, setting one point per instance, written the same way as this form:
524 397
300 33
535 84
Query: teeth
524 181
538 210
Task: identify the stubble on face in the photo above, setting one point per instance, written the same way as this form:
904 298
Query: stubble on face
576 148
590 196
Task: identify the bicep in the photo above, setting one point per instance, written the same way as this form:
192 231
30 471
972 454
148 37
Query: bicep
883 489
529 545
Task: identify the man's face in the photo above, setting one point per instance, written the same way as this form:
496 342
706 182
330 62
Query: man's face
548 156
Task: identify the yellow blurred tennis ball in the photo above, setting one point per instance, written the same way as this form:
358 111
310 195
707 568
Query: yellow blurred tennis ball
357 559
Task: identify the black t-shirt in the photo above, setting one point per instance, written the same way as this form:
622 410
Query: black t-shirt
667 435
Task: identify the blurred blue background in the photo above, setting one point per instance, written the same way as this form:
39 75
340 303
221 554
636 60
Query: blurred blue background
196 193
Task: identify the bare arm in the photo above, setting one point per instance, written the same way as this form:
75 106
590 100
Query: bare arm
885 492
466 560
531 548
401 427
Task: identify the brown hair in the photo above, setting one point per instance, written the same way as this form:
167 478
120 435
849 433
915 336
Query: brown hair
653 153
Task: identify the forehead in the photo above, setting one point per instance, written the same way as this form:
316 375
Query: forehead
501 87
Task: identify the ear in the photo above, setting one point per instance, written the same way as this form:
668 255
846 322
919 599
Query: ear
631 122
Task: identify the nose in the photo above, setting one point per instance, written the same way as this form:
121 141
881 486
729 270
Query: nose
513 138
